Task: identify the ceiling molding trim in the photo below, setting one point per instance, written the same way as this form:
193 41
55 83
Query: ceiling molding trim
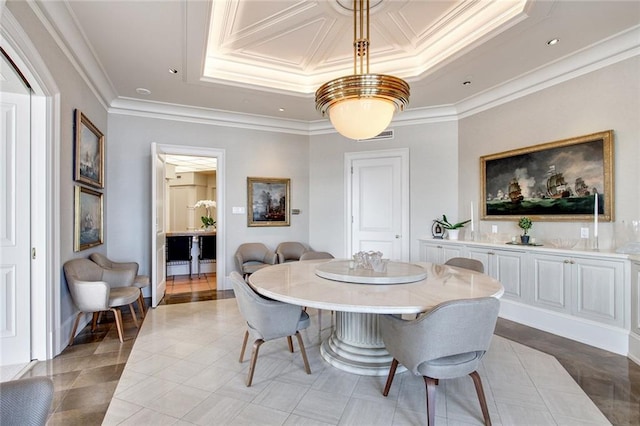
63 27
14 38
615 49
191 114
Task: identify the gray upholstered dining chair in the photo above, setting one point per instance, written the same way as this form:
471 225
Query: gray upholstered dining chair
290 251
25 402
252 256
140 281
466 263
96 289
316 255
447 342
267 320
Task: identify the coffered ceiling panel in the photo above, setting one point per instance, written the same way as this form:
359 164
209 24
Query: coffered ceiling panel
267 57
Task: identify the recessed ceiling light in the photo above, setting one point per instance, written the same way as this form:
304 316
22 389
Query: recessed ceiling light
281 109
173 71
466 83
143 91
553 41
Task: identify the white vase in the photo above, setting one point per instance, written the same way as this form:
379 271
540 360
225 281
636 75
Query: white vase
452 234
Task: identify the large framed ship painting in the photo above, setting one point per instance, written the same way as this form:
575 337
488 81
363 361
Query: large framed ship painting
557 181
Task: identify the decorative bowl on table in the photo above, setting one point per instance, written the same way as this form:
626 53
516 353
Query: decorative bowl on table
564 243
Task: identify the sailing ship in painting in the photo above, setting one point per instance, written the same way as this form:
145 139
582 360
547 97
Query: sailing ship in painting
552 196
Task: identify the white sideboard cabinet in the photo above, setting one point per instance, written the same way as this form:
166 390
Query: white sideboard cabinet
634 338
592 297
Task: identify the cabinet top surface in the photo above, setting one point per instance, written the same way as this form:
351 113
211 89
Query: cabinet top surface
535 249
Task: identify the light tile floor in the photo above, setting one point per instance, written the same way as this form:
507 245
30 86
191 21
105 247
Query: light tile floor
184 369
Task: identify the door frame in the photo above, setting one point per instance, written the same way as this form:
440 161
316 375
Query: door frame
219 154
349 158
46 327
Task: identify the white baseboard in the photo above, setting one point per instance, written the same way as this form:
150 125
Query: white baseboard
609 338
65 330
634 348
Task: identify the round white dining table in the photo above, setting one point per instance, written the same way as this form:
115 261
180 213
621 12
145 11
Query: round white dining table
358 297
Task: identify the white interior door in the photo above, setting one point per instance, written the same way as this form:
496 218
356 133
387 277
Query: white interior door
158 231
15 234
378 203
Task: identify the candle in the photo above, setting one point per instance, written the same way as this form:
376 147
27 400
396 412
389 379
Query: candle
472 216
595 216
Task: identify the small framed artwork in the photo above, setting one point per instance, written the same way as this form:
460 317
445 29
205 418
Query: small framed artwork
88 229
567 180
268 201
89 152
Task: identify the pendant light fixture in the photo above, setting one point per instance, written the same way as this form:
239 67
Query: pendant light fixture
360 106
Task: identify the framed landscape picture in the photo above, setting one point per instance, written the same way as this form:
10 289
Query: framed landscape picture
89 152
268 201
555 181
88 229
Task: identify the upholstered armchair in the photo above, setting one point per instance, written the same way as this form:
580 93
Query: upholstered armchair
25 401
447 342
267 320
140 281
290 251
316 255
466 263
252 256
96 289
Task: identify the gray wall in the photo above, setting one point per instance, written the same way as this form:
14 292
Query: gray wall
247 152
73 93
433 156
605 99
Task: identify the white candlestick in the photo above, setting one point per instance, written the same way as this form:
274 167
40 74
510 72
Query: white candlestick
472 216
595 216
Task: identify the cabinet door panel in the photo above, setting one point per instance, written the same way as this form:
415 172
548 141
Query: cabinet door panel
508 270
551 281
597 293
448 252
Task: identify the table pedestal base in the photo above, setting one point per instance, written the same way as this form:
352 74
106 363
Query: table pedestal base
356 346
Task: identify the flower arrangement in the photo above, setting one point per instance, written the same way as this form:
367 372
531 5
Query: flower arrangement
206 220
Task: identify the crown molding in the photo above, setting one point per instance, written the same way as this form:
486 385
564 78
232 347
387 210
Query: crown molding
63 27
191 114
607 52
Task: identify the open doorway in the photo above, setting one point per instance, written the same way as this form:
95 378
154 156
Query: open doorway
191 213
186 180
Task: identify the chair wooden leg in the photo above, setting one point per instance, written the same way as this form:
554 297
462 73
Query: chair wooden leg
254 358
483 402
141 304
94 321
392 373
303 352
116 313
244 345
133 315
75 327
431 400
290 343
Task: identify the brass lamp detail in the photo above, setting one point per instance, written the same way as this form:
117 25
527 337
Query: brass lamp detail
362 105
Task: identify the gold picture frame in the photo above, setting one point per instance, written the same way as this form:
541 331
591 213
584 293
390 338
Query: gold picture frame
555 181
268 201
89 152
88 218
